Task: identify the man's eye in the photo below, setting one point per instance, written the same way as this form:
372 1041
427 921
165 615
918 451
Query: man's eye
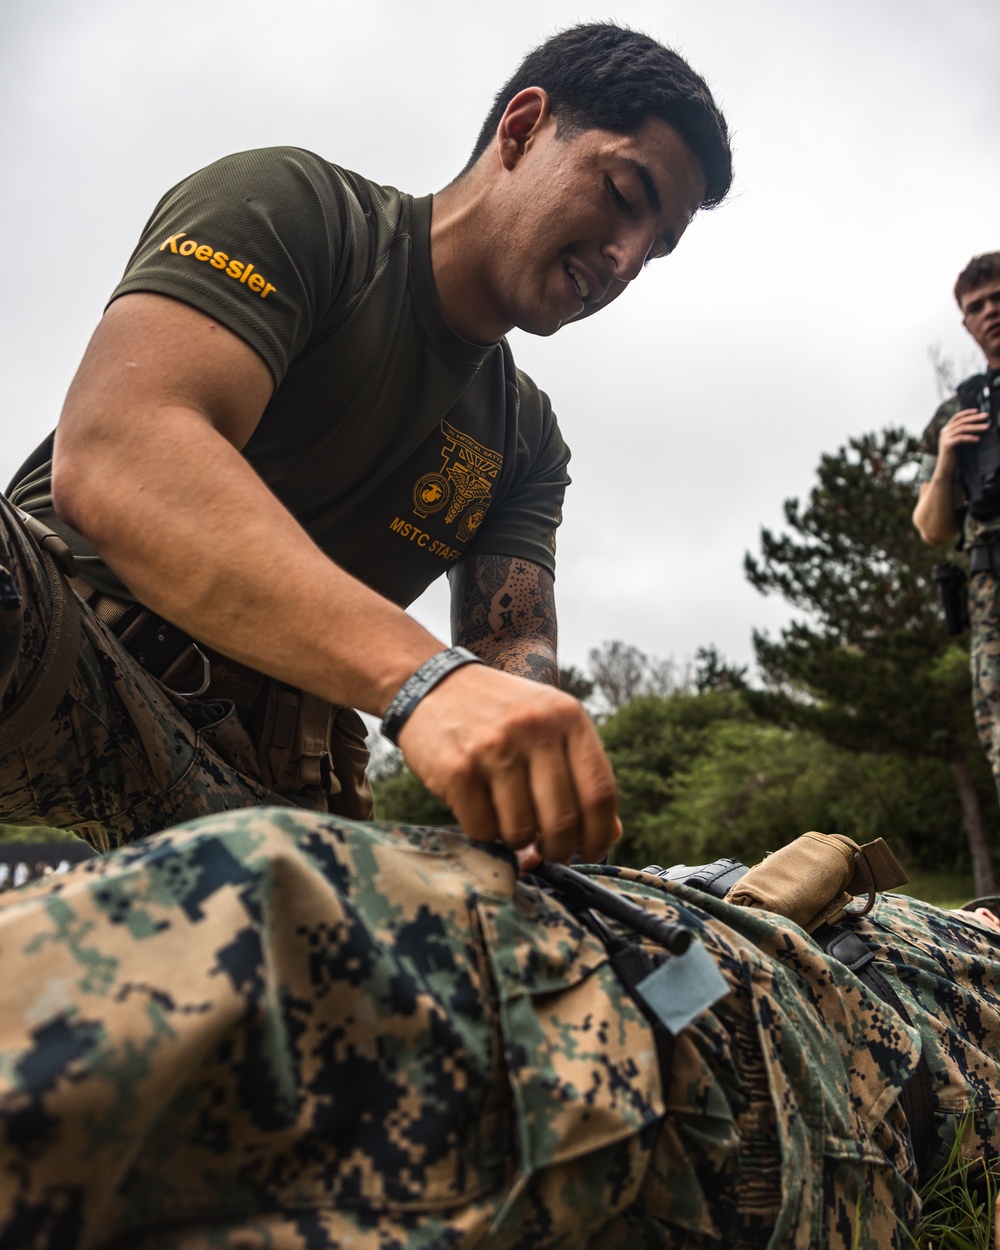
619 200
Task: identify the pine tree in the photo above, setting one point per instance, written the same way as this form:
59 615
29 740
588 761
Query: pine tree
870 665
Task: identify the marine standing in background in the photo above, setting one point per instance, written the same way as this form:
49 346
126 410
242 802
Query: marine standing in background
960 489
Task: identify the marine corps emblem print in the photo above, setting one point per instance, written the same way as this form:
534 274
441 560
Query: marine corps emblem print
463 483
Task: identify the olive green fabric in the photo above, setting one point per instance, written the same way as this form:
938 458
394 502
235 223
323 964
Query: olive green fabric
276 1029
398 445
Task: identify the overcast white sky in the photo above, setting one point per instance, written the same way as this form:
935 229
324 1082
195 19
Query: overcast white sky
798 314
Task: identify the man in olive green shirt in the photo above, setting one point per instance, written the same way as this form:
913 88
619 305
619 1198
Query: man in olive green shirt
208 494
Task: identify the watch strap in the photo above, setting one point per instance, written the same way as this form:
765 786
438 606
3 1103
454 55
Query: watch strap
423 681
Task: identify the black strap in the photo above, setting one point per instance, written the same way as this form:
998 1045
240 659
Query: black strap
580 893
632 964
716 878
916 1097
985 555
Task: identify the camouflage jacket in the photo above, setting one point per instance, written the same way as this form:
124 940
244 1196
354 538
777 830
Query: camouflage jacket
275 1029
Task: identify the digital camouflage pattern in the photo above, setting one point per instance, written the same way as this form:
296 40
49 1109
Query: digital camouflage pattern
113 755
275 1029
984 625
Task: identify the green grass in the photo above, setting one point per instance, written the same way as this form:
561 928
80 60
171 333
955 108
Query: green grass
35 833
958 1203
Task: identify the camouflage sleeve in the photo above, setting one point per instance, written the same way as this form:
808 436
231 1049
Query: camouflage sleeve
930 436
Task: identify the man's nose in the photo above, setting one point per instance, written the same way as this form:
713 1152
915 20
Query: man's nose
628 252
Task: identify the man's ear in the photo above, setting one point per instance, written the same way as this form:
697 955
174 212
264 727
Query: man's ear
523 118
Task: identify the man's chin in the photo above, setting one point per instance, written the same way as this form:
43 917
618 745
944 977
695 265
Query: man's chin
542 329
546 330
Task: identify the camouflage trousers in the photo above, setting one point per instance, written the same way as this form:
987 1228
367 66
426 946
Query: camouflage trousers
274 1030
89 741
984 621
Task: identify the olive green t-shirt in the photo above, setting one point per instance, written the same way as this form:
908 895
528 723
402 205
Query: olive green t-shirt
399 446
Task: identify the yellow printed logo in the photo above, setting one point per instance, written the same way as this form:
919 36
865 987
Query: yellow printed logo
463 484
239 270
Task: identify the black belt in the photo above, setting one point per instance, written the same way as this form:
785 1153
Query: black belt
161 648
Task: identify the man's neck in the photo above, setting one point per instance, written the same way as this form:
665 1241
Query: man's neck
461 229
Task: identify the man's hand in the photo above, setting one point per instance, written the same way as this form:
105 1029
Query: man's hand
966 426
517 760
524 762
935 513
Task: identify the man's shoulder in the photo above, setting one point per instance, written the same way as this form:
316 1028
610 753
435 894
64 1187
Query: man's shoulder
969 391
943 414
288 173
536 421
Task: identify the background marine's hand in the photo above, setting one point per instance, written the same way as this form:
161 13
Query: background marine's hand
966 426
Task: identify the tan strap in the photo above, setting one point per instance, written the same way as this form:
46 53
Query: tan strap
315 723
885 869
107 608
875 869
36 703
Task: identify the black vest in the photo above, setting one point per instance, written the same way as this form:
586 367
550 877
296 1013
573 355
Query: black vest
979 463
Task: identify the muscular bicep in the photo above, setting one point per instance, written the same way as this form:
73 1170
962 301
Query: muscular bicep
151 354
503 608
163 396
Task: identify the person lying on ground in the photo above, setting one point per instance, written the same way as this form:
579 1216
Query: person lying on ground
273 1028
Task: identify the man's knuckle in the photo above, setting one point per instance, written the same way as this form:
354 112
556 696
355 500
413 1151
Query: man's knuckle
562 824
520 836
600 794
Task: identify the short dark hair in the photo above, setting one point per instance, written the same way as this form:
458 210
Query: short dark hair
611 78
979 270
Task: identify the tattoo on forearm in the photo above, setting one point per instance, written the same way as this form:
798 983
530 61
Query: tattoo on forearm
476 584
534 664
504 610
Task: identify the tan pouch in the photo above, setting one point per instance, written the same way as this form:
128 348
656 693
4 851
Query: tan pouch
349 753
309 746
813 879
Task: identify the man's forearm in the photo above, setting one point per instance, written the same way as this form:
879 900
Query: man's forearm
934 516
503 609
527 657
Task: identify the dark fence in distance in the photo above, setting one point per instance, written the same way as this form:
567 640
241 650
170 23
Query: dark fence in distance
27 861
